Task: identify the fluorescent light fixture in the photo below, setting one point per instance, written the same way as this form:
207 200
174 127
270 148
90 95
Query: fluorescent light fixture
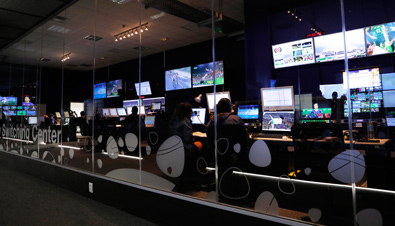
71 147
125 156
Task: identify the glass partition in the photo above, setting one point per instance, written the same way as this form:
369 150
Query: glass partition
282 109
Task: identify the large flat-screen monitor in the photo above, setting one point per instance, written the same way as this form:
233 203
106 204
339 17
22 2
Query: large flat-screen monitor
388 81
32 120
219 96
362 78
390 122
278 121
99 90
130 103
178 78
319 113
9 101
121 112
106 112
145 88
155 100
380 39
113 88
278 98
331 47
202 74
327 90
389 99
248 111
198 116
140 110
294 53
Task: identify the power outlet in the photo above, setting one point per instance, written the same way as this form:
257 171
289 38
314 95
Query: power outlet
90 187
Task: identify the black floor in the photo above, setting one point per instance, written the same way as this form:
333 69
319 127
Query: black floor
27 200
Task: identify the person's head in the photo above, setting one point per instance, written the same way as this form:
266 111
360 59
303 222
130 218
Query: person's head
27 99
334 95
183 110
315 106
224 105
134 110
82 113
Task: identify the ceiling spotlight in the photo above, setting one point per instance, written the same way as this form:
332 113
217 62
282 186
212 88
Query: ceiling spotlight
120 38
128 34
116 39
136 32
300 19
124 36
296 17
141 30
292 14
289 11
146 28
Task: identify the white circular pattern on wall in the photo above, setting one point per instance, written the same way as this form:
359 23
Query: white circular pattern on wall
131 141
112 148
260 154
267 203
340 166
99 163
171 156
314 214
369 217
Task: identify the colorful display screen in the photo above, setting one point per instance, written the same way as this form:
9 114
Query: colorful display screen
99 90
293 53
362 78
278 120
248 111
9 101
317 113
202 74
198 116
180 78
380 39
113 88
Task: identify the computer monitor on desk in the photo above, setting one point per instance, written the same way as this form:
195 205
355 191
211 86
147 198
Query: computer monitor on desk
198 116
149 121
277 121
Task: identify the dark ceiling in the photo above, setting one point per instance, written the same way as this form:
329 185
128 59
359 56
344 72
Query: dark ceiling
19 17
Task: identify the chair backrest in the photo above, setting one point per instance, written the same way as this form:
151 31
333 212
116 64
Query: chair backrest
232 144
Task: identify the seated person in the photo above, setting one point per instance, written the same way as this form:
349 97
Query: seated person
224 114
181 124
131 123
84 126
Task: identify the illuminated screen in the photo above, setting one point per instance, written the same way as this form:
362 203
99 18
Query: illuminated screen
278 98
331 47
113 87
32 120
317 114
10 112
327 90
130 103
30 112
139 109
113 112
178 78
58 115
106 112
248 111
198 116
66 114
219 96
202 74
277 120
8 101
145 88
389 99
362 78
99 91
391 122
379 39
293 53
149 101
20 112
121 111
149 120
388 81
156 106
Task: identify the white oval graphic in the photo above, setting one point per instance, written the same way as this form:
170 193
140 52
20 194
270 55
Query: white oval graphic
340 166
267 203
112 148
171 157
131 141
237 148
369 217
260 154
314 214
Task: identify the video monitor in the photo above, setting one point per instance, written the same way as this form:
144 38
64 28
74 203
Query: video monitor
155 106
390 122
130 103
7 107
57 114
121 112
149 120
331 47
202 74
198 116
32 120
389 99
327 90
113 112
219 96
113 88
139 109
17 107
388 81
145 88
248 111
150 101
106 112
180 78
319 113
66 114
9 101
10 112
278 121
99 90
293 53
20 112
362 78
380 39
278 98
30 113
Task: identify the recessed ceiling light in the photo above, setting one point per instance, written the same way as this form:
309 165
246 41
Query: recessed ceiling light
156 16
59 29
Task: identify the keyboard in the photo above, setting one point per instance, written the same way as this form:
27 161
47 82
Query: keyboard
268 135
